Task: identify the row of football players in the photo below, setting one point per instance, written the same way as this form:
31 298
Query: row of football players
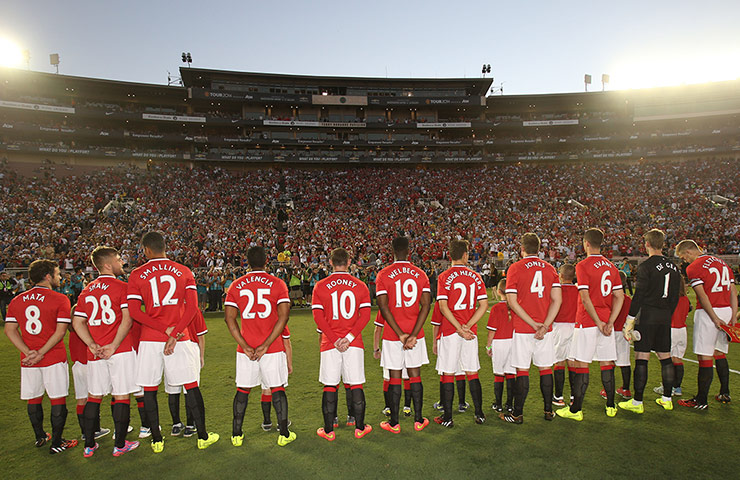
341 309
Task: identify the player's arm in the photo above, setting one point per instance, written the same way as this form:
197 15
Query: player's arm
435 333
556 300
376 341
319 317
426 302
55 338
134 305
362 320
79 325
12 331
202 348
733 303
489 340
230 316
388 316
617 302
642 282
283 311
445 311
589 307
288 353
511 300
703 299
479 312
191 310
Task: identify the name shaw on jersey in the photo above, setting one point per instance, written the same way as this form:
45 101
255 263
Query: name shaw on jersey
467 273
98 286
398 271
254 279
158 268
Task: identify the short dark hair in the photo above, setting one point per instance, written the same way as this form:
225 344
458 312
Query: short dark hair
100 254
401 245
655 238
339 257
257 257
39 269
458 248
530 243
594 236
154 241
568 271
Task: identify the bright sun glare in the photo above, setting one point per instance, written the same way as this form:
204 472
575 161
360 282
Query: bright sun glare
669 70
11 54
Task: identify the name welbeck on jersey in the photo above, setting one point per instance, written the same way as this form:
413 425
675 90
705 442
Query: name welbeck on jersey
157 268
398 271
36 296
254 279
466 272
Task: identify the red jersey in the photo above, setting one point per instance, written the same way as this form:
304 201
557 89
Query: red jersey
462 288
622 317
101 303
37 312
404 284
197 327
600 277
567 312
501 322
135 335
160 286
715 277
532 280
78 351
341 306
436 320
678 319
257 295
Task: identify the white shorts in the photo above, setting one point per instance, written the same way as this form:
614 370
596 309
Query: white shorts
589 345
116 376
501 357
563 335
270 371
623 350
347 366
436 364
79 377
387 374
394 357
180 368
457 354
707 338
678 342
54 380
526 350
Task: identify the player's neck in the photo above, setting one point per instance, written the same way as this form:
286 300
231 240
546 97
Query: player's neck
593 251
458 263
105 273
44 284
655 253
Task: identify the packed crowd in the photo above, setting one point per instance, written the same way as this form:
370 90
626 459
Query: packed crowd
213 215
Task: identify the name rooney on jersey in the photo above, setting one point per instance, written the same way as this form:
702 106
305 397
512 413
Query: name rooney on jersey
341 281
158 268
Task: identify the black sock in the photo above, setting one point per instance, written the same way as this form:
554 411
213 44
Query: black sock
81 420
394 391
280 400
668 374
348 399
580 385
142 412
387 395
36 415
173 400
678 369
112 404
521 390
448 393
641 374
417 395
121 419
152 414
571 380
406 393
91 412
607 380
329 408
546 386
241 399
197 408
510 388
266 410
558 382
58 419
498 391
358 407
626 376
189 418
705 381
476 391
441 393
723 373
460 391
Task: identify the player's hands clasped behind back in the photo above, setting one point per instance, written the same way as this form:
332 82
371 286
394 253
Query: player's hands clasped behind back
465 332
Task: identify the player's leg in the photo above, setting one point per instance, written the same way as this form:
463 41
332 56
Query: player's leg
460 384
546 388
79 379
417 395
543 358
470 363
449 363
394 393
274 373
330 374
623 362
91 412
581 353
266 403
80 408
121 369
522 351
678 374
641 374
173 402
241 399
668 375
56 383
247 376
149 370
510 389
353 372
558 374
386 395
678 350
723 374
406 395
705 340
348 400
32 391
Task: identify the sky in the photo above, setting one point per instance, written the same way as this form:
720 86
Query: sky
532 46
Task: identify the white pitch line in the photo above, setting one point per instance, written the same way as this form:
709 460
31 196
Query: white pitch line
694 361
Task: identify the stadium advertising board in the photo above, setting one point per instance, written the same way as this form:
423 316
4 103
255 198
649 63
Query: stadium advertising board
173 118
444 125
302 123
548 123
36 106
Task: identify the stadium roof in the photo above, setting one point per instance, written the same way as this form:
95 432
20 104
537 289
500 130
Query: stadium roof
200 77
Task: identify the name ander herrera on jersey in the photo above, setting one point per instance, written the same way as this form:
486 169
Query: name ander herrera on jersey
463 272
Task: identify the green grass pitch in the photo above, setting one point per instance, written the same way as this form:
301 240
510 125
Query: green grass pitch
678 444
